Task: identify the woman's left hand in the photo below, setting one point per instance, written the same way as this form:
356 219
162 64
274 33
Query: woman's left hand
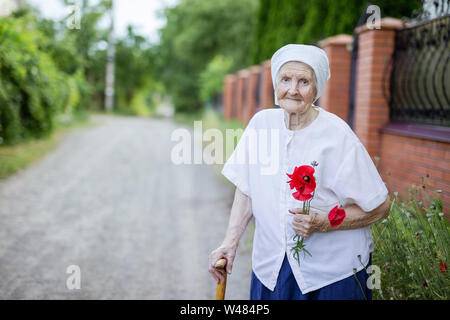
305 225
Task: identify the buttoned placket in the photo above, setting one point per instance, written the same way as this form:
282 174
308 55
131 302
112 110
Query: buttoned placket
286 198
284 190
284 194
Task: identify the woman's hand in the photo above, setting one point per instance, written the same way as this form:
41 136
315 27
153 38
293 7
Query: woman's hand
241 214
305 225
228 253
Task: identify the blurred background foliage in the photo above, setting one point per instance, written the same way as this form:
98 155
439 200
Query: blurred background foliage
201 37
32 87
48 70
281 22
135 76
195 33
211 79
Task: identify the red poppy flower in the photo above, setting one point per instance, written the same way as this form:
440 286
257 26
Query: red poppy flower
302 179
336 216
443 267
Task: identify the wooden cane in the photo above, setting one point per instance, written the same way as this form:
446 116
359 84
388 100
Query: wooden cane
221 286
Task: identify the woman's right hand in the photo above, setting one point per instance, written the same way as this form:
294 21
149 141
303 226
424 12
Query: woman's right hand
227 253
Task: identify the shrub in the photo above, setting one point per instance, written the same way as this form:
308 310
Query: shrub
32 88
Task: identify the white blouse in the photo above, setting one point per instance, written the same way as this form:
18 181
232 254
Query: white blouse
346 174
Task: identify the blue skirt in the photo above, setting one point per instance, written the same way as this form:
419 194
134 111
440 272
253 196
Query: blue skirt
287 288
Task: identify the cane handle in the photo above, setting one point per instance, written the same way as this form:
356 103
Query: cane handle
221 286
221 263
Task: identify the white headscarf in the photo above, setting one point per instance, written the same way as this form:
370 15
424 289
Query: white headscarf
313 56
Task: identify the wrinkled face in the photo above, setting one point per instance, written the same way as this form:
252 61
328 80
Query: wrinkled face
296 87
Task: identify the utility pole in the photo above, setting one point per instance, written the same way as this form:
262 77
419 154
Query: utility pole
109 88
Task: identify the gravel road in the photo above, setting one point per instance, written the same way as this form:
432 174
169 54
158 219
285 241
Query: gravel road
110 201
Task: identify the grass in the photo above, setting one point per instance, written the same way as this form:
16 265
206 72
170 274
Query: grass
14 158
412 249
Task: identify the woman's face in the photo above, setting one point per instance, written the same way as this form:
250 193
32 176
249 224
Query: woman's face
295 88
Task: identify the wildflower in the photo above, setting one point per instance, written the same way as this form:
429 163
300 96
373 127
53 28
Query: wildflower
443 267
302 179
336 216
425 283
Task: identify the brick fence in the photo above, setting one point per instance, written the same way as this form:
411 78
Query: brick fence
403 154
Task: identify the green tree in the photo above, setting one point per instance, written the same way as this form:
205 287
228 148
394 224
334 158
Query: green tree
211 79
89 35
134 69
196 31
90 56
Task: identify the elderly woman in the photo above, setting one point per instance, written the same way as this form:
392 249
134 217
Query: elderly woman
345 176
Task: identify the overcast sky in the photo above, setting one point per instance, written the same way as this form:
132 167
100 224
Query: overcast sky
142 14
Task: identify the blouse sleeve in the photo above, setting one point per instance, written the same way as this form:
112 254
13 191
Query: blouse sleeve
236 168
358 181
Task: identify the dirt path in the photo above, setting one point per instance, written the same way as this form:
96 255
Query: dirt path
109 200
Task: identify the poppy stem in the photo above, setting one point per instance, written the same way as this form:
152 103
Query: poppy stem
359 283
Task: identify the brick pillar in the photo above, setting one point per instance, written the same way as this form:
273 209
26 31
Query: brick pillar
335 97
375 48
266 88
228 92
252 91
241 92
234 104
